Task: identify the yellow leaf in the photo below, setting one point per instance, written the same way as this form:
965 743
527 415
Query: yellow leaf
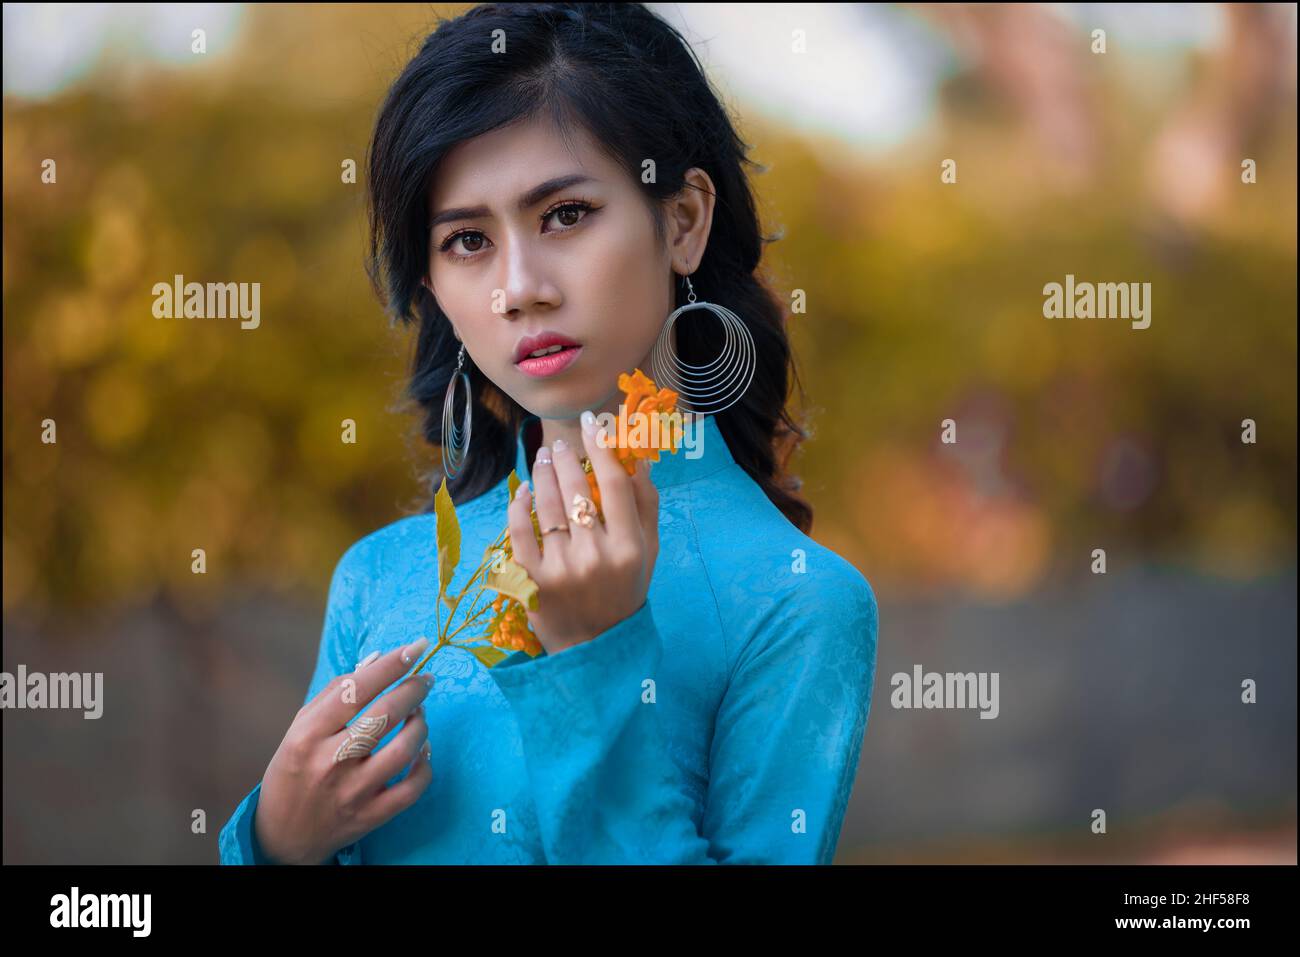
448 528
493 557
511 580
488 654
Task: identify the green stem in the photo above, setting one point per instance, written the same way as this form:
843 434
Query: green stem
444 640
473 615
468 622
425 660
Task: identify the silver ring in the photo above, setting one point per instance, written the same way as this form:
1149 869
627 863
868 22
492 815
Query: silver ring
363 737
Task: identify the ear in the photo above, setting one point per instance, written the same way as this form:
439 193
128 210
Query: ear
690 219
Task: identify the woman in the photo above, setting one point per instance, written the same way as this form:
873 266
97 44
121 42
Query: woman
541 176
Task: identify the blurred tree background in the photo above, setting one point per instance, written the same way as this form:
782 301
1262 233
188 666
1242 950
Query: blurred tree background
924 302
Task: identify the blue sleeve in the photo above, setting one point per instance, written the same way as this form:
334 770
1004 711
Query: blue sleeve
784 755
237 842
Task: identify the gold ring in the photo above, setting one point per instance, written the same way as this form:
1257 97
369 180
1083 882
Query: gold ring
583 511
363 737
555 528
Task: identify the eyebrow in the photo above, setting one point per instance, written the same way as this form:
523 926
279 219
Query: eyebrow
528 199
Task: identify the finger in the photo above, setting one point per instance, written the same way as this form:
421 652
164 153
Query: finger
403 699
646 495
550 509
573 482
382 718
347 695
374 772
616 497
523 540
394 800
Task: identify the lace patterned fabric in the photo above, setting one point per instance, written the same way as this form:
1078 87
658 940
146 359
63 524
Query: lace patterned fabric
719 723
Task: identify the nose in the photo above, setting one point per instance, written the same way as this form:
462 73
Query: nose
526 284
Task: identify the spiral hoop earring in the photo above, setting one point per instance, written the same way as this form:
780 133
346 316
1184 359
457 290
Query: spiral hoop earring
455 440
706 389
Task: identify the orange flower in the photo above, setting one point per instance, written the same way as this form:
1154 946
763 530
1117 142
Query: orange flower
509 628
642 399
595 493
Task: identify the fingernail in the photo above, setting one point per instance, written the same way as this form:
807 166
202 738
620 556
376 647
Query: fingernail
428 681
366 660
543 456
413 649
588 421
560 446
426 752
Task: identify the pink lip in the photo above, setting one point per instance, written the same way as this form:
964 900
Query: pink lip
543 340
553 364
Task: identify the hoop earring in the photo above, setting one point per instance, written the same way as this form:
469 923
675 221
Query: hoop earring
710 388
455 440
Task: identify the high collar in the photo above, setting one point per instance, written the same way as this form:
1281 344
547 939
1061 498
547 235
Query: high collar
702 439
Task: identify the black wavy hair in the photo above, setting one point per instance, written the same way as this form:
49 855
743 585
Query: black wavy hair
634 83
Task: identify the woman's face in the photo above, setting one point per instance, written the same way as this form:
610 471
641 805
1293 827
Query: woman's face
508 262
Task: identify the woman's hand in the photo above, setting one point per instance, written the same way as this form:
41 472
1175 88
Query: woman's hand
311 805
589 579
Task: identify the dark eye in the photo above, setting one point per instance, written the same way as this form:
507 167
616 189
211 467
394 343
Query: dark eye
569 214
468 237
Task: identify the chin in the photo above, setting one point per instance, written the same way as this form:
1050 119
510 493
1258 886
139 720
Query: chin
559 403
